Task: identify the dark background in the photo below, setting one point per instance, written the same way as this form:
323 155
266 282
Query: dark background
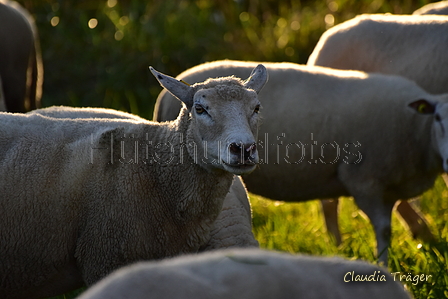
107 66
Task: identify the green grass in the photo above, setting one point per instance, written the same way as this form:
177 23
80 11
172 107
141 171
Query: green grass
300 228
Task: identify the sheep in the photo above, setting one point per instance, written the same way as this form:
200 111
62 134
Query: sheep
249 274
76 112
97 194
436 8
381 43
358 124
232 228
21 67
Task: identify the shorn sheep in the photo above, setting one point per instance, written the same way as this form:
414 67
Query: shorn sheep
328 133
249 274
21 68
83 197
232 228
382 43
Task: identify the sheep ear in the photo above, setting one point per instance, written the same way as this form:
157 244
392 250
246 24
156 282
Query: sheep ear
257 78
423 106
178 88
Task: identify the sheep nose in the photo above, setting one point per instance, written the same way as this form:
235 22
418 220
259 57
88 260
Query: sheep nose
245 150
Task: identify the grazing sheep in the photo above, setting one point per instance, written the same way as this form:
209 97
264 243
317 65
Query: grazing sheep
20 59
381 43
248 274
232 228
436 8
97 194
328 133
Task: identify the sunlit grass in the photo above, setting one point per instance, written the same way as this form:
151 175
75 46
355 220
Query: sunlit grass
300 228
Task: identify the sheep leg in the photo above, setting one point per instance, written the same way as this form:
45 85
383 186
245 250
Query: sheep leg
416 222
330 210
369 195
379 212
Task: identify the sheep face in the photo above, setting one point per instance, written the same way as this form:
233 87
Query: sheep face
224 119
226 125
440 125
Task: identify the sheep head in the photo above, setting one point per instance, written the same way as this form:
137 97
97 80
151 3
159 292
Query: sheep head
224 119
439 110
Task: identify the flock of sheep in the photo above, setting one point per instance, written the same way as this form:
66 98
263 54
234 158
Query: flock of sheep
102 189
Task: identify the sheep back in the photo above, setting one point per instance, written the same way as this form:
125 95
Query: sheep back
381 43
248 273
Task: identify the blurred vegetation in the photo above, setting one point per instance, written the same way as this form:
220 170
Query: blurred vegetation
97 53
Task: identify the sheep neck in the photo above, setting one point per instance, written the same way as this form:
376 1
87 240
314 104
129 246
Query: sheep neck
199 191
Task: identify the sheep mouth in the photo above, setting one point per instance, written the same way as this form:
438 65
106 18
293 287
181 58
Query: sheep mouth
240 168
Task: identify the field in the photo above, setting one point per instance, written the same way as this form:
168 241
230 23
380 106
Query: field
96 53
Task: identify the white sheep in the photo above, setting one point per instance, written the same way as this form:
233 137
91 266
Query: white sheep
82 197
436 8
328 133
77 112
249 274
232 228
381 43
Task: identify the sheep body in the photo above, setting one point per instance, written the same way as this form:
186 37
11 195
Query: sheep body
247 274
232 228
84 112
381 43
88 204
328 133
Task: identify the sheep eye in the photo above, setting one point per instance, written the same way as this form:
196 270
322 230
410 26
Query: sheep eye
437 117
199 109
257 109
